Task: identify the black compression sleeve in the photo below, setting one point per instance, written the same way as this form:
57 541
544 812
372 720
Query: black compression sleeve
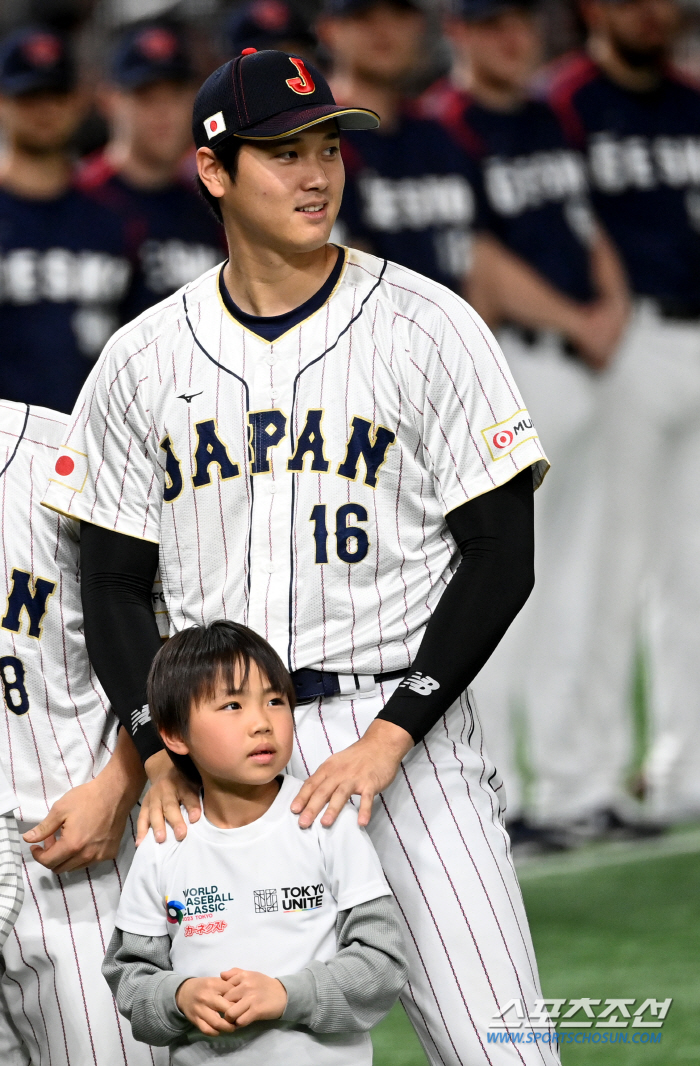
121 632
495 536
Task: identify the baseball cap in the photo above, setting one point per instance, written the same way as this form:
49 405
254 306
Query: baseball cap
264 24
476 10
34 59
150 52
265 95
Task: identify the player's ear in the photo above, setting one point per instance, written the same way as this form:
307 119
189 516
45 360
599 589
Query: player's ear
211 172
176 744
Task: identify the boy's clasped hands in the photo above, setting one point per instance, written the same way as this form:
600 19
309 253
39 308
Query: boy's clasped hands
231 1001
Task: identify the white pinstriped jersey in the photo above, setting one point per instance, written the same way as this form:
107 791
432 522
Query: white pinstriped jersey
57 730
300 486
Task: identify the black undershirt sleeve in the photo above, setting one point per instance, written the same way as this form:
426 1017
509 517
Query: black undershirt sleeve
121 632
495 536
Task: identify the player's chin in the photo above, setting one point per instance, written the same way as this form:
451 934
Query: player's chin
314 227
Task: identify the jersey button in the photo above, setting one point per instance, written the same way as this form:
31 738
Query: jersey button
273 487
269 567
271 359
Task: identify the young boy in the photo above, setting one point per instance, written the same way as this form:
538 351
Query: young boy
251 940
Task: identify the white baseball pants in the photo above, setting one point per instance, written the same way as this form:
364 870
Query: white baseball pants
537 669
57 1009
438 832
649 555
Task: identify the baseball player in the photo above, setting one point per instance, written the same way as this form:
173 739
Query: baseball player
557 326
639 123
329 448
140 173
408 194
70 772
63 257
261 24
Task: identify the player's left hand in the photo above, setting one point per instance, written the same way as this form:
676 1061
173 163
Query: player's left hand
169 789
364 769
90 818
254 997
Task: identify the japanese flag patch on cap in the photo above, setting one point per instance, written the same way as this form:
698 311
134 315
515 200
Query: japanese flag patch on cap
215 124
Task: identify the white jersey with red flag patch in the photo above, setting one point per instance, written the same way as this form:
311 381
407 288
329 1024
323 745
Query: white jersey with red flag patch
300 486
58 729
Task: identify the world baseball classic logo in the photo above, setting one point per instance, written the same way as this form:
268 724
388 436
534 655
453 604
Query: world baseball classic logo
505 437
174 911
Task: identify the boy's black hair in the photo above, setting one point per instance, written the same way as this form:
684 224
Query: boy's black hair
188 667
226 153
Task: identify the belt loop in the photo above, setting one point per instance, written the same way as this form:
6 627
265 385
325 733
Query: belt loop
348 686
367 686
356 686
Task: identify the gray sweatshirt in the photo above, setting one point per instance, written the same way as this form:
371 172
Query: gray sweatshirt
348 994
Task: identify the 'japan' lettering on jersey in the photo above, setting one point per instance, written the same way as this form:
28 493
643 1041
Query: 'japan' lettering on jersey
64 273
408 196
58 730
300 486
644 164
534 186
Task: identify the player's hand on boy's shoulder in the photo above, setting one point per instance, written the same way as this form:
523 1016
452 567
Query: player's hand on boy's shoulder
365 768
201 1000
169 789
253 997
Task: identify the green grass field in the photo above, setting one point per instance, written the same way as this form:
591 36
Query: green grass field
615 921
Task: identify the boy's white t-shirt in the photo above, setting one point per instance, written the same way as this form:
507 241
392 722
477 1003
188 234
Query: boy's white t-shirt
263 897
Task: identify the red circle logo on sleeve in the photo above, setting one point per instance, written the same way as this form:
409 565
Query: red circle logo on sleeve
503 438
64 465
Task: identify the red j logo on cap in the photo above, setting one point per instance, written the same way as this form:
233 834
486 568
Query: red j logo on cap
304 84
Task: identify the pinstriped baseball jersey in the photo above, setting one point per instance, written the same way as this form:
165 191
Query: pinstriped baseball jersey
300 486
57 727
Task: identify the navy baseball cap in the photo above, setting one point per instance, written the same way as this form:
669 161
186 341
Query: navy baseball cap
35 59
150 52
264 24
476 10
266 95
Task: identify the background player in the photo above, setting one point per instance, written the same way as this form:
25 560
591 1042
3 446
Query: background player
63 257
339 553
408 194
69 770
141 174
260 24
640 125
563 314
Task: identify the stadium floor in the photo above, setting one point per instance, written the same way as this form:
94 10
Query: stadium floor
610 920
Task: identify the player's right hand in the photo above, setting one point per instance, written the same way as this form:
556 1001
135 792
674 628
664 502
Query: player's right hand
90 818
161 804
601 328
201 1000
